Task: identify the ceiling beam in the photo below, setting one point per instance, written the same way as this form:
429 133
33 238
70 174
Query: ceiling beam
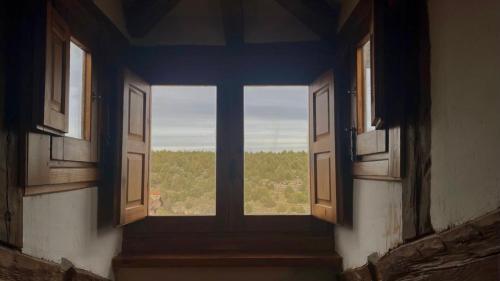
321 16
232 17
142 15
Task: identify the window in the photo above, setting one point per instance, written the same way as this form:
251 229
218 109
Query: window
183 135
78 92
373 158
63 148
276 178
278 156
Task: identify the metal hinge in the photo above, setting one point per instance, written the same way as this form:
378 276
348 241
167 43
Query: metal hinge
351 132
351 92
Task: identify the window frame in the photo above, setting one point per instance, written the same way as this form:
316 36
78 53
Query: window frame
229 216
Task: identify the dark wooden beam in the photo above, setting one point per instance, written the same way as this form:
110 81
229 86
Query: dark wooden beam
142 15
470 251
232 17
319 16
16 266
284 63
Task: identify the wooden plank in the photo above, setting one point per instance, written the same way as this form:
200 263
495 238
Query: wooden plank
470 251
371 168
230 158
232 18
417 133
318 16
15 266
53 188
142 16
358 274
76 150
451 251
228 259
371 142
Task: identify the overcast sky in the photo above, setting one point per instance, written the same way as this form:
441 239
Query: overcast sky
184 118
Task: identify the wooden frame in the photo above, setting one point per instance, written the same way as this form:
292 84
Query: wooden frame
229 228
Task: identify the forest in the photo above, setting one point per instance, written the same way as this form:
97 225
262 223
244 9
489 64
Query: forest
182 183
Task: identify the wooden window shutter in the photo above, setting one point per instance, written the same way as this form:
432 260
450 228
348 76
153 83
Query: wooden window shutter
56 91
135 149
325 183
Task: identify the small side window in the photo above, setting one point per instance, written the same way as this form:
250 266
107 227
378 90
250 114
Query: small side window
377 150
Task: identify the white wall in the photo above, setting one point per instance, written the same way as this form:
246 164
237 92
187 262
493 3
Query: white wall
64 225
376 222
465 92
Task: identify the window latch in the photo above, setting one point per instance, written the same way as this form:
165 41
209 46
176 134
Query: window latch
351 134
95 97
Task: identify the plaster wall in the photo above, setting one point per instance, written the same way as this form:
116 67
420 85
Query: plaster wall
465 92
376 222
64 225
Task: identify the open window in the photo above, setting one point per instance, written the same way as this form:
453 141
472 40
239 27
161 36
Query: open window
168 156
376 139
62 149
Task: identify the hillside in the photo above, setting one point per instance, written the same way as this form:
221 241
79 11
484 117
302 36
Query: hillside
183 183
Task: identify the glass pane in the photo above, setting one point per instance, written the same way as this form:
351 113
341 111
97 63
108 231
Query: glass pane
183 135
276 150
367 87
76 91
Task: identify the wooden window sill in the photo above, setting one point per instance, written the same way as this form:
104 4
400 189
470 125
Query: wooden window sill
330 260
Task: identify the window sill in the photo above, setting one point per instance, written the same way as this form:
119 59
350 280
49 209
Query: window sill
328 259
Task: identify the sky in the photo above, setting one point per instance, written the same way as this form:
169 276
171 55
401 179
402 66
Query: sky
184 118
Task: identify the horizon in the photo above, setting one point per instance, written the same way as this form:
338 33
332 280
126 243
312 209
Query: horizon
184 118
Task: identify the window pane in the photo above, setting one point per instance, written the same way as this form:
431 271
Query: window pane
76 91
183 134
367 87
276 150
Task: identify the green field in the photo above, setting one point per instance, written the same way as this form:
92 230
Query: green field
183 183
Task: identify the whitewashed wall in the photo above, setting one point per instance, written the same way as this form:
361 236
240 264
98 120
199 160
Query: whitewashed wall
465 92
64 225
376 222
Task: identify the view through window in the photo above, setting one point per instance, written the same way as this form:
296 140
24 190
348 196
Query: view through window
76 91
183 136
276 150
367 87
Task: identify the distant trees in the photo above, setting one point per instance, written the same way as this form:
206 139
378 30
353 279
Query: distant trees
275 183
